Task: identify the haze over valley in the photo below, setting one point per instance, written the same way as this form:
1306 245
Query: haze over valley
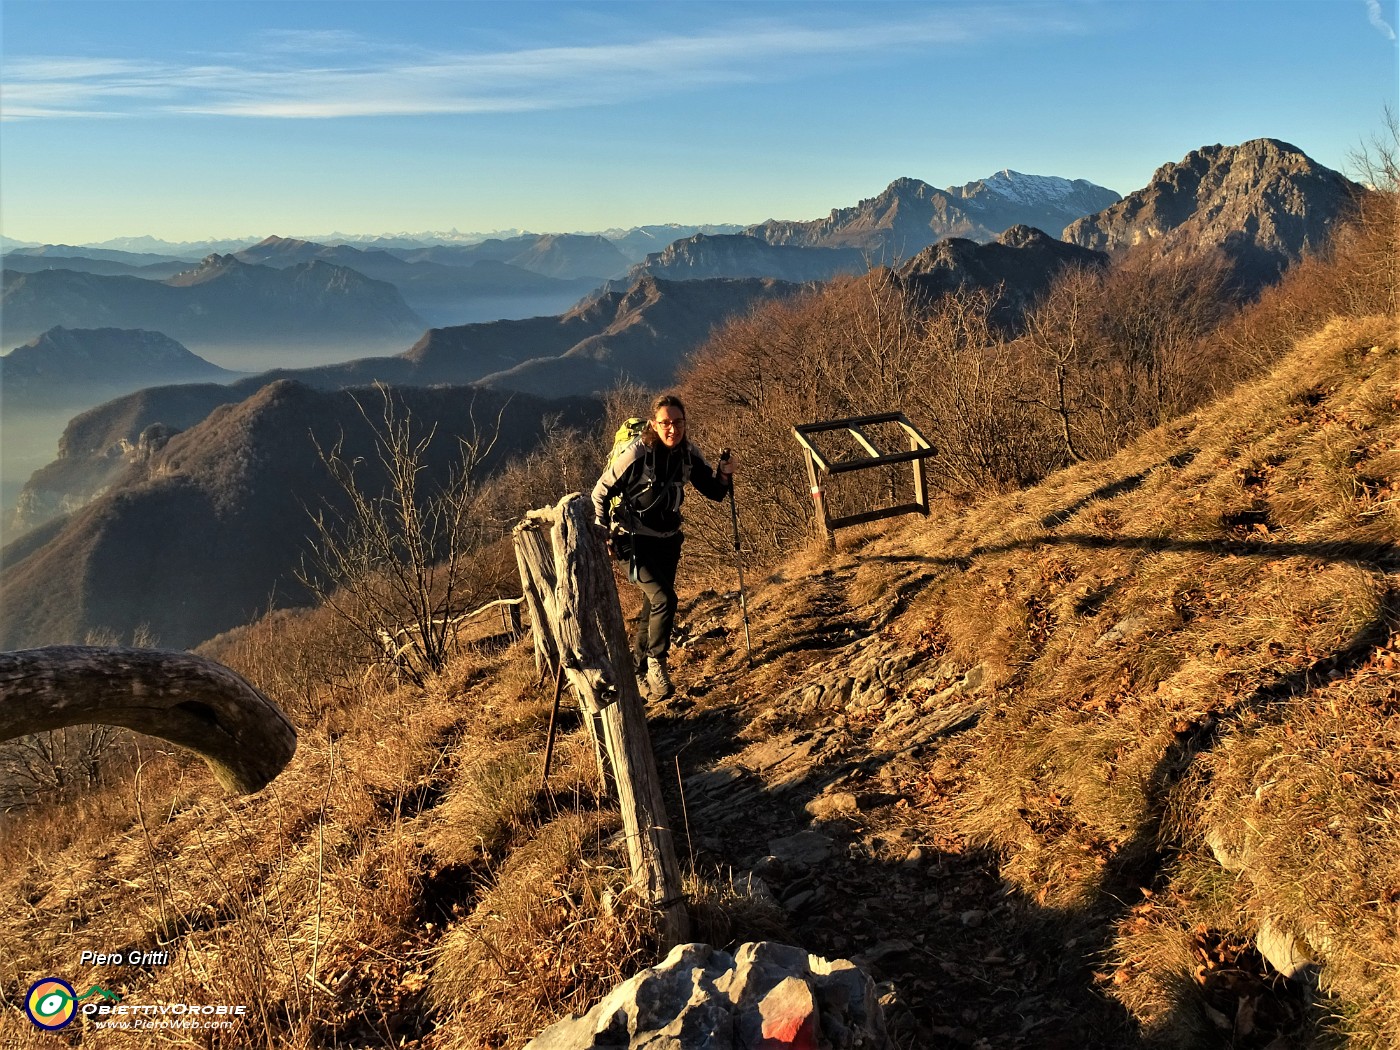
282 304
1260 207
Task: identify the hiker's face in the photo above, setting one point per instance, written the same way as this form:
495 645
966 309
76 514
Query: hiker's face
669 425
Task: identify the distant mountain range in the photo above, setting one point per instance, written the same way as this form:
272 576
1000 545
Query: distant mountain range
221 301
1264 203
910 215
94 260
634 243
642 334
204 527
455 285
463 280
744 255
441 284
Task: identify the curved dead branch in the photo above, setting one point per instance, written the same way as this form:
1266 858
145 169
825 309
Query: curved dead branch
196 703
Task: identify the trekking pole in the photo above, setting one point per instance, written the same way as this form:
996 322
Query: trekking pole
738 559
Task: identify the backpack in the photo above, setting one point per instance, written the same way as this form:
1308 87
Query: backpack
632 428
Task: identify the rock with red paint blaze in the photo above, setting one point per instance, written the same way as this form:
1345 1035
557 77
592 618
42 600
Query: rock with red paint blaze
766 996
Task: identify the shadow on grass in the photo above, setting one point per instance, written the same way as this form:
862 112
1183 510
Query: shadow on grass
960 959
1113 489
969 960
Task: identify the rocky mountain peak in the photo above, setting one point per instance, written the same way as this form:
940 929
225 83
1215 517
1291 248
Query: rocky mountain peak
285 243
909 214
1020 236
1264 203
908 188
1017 268
211 267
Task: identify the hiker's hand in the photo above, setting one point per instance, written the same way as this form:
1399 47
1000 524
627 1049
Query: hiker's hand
726 467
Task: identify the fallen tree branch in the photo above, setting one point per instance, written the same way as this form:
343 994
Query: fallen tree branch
196 703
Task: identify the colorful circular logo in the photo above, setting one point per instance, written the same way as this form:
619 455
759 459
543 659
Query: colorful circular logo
51 1003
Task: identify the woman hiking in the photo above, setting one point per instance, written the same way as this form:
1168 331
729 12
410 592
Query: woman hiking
637 502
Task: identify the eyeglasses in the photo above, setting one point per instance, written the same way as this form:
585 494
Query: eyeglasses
668 424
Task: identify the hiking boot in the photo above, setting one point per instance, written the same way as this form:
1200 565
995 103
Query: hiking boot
641 670
658 680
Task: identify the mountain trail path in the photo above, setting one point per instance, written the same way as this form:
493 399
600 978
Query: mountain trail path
819 781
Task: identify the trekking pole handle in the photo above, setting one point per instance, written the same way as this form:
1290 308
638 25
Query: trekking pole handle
724 454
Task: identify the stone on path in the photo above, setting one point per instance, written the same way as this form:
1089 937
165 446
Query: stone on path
766 996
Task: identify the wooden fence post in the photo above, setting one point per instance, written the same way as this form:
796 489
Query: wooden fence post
822 517
574 588
534 556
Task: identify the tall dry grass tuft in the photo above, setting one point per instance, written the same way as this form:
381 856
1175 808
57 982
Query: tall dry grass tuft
1305 807
315 903
557 929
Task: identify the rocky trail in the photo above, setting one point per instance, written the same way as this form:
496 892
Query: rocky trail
820 781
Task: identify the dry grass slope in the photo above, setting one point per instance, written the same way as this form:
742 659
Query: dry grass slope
1185 663
1189 656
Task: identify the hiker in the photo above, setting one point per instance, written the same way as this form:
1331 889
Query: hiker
637 503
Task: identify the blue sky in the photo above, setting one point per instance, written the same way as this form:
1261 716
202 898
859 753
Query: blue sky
210 118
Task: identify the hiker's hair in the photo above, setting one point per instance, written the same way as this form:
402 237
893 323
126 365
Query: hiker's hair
650 436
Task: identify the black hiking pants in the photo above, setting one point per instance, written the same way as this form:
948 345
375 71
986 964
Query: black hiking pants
656 559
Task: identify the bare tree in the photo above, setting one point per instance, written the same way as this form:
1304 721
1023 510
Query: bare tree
1060 335
1376 162
985 437
1368 247
1118 351
390 551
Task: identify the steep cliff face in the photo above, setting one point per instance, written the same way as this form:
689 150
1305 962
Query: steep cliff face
1264 203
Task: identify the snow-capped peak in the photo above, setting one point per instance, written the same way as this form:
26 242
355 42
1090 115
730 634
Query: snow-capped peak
1021 188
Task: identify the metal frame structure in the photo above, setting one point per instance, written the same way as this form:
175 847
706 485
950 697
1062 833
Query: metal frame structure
817 465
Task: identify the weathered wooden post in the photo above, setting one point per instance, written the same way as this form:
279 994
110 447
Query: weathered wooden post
822 516
534 556
590 640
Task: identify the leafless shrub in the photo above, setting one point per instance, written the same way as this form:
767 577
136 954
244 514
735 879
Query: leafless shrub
1118 351
565 460
45 767
311 661
394 555
972 397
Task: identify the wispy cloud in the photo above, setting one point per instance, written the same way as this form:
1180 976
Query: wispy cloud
330 73
1373 7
